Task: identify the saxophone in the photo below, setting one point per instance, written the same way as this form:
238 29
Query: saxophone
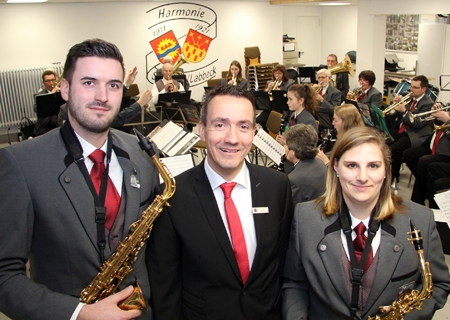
119 265
412 299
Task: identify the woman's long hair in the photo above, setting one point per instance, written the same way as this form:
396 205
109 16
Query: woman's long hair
308 94
350 118
388 203
239 76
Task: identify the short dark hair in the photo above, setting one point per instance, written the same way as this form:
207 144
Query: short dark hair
333 55
368 75
225 90
47 73
302 139
423 80
91 48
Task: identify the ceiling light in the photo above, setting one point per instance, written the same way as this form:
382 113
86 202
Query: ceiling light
334 4
25 1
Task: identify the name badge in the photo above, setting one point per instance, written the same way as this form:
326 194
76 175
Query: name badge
260 210
134 182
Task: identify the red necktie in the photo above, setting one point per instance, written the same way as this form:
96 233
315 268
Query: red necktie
361 96
359 243
403 126
436 141
112 198
321 93
236 232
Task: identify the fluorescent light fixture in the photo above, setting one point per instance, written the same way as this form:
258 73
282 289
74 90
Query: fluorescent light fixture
334 4
25 1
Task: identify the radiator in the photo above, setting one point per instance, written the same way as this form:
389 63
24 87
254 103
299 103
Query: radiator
17 89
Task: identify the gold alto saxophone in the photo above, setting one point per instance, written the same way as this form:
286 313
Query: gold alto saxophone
119 265
412 299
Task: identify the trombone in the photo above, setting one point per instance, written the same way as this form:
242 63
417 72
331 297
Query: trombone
391 109
426 116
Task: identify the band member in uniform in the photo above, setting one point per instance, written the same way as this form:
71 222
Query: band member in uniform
166 84
234 76
328 98
328 274
46 124
340 78
367 94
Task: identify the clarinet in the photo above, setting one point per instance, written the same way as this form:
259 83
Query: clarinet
325 140
283 157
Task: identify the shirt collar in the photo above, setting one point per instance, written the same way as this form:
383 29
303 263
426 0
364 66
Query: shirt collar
242 178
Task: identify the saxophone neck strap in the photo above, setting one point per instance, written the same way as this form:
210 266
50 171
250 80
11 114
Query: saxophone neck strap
75 151
357 268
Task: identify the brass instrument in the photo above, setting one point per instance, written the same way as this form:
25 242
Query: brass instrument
119 265
276 83
172 86
233 79
426 116
180 61
391 109
343 67
411 299
442 127
355 93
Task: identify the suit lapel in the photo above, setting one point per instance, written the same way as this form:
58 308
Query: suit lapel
202 188
332 261
74 184
387 260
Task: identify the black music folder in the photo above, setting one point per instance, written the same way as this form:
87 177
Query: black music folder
47 105
262 100
280 100
184 97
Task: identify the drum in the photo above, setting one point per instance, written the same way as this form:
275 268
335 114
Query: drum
402 87
432 91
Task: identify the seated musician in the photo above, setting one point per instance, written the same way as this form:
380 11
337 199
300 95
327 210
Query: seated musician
169 59
341 79
280 81
234 76
438 179
302 105
328 98
436 148
309 173
166 84
46 124
367 94
409 132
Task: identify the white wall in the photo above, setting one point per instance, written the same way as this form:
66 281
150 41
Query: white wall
40 34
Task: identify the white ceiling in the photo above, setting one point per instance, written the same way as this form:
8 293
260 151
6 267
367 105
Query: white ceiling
275 2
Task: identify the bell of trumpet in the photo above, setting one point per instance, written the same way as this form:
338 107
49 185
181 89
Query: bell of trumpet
391 109
343 67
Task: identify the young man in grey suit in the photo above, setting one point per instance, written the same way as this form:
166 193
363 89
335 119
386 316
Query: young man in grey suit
198 268
53 215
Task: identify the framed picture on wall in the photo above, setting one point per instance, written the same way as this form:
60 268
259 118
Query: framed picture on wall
402 32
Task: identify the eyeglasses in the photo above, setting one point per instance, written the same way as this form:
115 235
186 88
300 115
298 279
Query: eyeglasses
414 87
50 80
322 77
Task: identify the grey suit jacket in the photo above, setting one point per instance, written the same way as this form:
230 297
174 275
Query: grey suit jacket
193 270
324 113
48 217
308 180
417 130
373 96
315 285
243 83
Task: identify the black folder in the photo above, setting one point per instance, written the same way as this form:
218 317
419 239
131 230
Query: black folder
47 105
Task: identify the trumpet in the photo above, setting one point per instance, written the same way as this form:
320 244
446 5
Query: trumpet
391 109
355 94
233 79
172 86
426 116
276 83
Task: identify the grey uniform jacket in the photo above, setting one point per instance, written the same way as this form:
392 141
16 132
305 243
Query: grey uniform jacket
48 216
315 286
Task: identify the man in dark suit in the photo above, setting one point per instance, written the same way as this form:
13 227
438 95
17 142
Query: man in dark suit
340 78
436 148
198 268
328 97
54 216
408 132
46 124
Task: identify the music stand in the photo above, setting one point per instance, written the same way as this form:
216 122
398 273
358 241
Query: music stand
47 105
262 100
280 100
184 97
308 74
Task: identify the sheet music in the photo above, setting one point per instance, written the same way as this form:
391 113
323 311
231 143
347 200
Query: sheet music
443 201
172 139
269 146
177 164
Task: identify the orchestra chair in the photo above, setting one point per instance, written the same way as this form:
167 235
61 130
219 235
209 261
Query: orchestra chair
293 74
273 123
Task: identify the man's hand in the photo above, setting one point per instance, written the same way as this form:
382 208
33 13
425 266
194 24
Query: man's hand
145 98
130 77
107 308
